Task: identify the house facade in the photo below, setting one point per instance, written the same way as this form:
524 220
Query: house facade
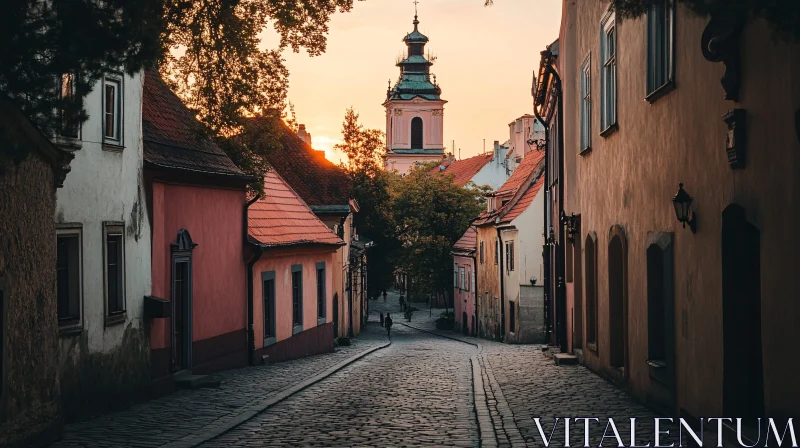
464 287
104 238
494 259
30 392
683 253
292 273
414 110
197 311
325 188
490 169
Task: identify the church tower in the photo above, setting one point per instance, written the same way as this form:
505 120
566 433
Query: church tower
414 110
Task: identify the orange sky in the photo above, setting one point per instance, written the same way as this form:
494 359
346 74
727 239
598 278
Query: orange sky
485 59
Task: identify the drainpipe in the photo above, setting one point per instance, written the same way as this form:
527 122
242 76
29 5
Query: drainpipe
546 260
475 292
502 289
258 251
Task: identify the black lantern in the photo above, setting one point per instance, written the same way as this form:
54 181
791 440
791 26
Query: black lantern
683 208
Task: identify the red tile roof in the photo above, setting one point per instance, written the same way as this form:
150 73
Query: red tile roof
525 168
281 218
524 201
464 170
317 180
467 242
172 136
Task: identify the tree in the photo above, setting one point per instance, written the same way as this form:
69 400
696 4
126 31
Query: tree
55 47
432 213
370 188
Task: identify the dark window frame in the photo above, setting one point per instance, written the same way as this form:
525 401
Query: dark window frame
322 306
297 298
608 74
117 313
660 56
417 140
481 254
114 143
268 307
73 322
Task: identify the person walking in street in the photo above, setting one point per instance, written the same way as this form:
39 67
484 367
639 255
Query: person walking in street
388 325
384 296
381 319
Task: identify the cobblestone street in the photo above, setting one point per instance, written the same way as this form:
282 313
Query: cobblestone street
427 388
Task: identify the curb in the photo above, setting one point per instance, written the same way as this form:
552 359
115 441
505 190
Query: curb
251 411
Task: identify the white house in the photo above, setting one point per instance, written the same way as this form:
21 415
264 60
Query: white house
103 239
491 168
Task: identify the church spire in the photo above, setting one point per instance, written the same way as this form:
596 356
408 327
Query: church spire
415 76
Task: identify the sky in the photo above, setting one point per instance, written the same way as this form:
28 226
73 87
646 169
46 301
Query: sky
485 58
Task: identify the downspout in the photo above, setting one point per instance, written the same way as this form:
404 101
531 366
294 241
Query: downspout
546 260
502 289
258 251
475 292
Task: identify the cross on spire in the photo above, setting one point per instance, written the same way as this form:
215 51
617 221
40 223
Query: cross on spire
416 2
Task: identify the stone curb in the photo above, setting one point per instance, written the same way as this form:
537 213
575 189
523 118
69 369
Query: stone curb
486 431
251 411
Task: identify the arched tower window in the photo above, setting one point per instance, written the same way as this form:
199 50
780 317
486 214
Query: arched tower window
416 133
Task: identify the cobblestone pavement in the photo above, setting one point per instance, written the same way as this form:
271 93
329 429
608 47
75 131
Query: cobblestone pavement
417 392
429 388
188 412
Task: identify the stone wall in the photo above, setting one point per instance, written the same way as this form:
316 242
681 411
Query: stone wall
29 398
531 315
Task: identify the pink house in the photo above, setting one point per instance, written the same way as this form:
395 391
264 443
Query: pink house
196 205
291 272
464 281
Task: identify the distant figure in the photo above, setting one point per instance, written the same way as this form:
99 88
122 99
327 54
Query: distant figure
384 296
388 325
381 319
402 303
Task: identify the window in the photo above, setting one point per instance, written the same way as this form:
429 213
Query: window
469 278
68 277
512 322
321 311
112 111
660 46
510 256
297 295
481 254
496 251
416 133
268 297
69 109
608 73
463 284
115 270
455 275
586 104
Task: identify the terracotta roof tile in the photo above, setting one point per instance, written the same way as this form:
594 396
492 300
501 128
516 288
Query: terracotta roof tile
468 241
315 179
281 218
524 201
171 134
464 170
525 168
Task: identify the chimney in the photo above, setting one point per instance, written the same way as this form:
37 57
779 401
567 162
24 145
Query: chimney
305 136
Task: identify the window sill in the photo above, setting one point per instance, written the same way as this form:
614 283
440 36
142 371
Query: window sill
610 130
270 340
110 147
322 320
653 96
116 319
585 151
70 330
592 346
657 363
297 329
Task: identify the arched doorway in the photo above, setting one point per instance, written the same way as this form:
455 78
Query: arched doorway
617 290
464 323
591 291
335 315
577 293
743 376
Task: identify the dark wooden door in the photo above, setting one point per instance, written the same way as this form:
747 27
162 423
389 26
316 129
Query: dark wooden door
181 317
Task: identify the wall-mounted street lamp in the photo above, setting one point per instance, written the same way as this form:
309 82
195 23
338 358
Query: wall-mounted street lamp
571 223
683 208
